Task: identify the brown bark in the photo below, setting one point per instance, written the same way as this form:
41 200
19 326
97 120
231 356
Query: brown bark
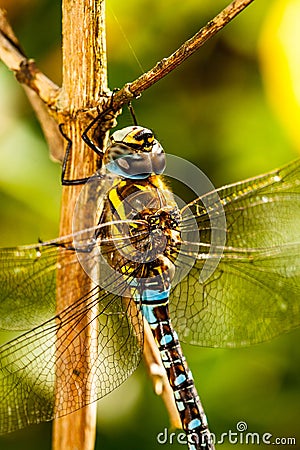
84 85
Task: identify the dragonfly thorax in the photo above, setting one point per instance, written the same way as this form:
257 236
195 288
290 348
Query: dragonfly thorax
164 219
134 153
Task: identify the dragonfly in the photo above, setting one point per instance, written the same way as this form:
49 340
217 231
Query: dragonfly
221 271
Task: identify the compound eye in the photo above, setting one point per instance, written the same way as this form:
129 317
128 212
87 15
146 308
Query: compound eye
134 154
137 165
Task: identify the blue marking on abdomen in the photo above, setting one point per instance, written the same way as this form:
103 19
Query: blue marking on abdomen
195 423
166 339
180 379
153 295
148 313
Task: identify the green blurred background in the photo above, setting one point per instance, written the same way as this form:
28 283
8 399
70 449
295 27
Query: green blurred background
233 109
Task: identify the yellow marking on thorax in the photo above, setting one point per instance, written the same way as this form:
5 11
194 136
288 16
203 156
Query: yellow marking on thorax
153 184
115 200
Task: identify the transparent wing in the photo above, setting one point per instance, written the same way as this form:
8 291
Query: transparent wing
28 280
28 275
47 372
254 293
29 363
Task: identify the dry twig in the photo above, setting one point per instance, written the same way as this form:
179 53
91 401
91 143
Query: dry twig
52 96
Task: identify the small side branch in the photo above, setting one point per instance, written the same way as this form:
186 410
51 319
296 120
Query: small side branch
25 69
167 65
27 73
40 90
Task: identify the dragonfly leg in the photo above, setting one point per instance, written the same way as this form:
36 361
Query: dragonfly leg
97 119
87 249
64 180
90 143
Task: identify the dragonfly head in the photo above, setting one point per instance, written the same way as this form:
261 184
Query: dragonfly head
133 152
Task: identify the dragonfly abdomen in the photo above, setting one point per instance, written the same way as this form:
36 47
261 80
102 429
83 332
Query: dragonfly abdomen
188 404
148 272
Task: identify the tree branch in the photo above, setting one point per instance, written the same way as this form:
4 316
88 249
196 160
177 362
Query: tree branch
25 69
27 72
84 84
41 92
167 65
53 97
